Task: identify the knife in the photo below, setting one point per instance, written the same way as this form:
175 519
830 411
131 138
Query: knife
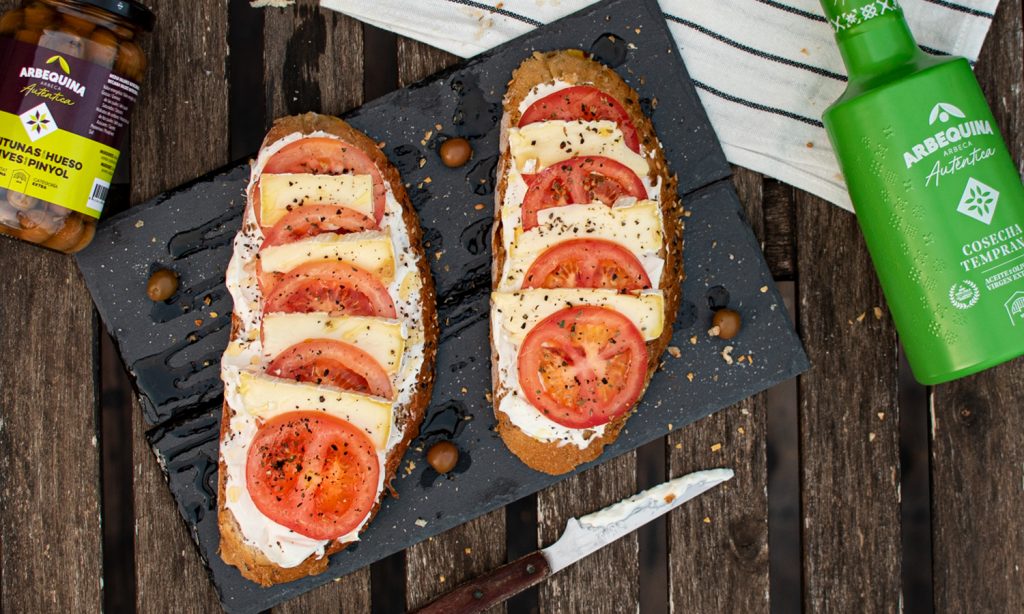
582 537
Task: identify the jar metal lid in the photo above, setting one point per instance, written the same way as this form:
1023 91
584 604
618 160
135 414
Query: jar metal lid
134 11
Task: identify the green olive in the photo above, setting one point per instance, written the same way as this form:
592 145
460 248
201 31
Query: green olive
443 456
131 61
162 285
101 48
11 21
728 322
88 232
77 24
68 235
21 202
38 15
36 225
28 36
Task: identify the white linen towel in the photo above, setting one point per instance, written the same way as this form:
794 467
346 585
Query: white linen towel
765 70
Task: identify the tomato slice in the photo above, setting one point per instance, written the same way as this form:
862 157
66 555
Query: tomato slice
587 263
313 473
586 103
338 288
327 156
328 362
583 366
312 220
579 181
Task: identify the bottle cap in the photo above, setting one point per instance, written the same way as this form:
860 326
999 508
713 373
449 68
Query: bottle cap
844 15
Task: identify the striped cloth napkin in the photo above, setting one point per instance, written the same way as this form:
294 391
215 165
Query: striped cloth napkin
765 70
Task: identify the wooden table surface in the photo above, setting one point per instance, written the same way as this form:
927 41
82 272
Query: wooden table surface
87 522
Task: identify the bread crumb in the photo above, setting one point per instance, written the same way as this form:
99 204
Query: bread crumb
489 397
140 224
198 322
871 436
214 314
420 522
468 550
741 430
463 390
441 579
707 520
674 351
669 498
715 447
764 289
410 467
881 415
727 354
714 331
689 376
679 446
669 425
878 313
423 162
438 127
693 340
861 317
479 206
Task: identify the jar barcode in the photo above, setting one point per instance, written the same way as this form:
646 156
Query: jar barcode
99 195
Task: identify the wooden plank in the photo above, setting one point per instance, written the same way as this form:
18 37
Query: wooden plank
174 139
313 61
50 534
607 580
722 538
778 211
849 434
718 543
977 453
441 563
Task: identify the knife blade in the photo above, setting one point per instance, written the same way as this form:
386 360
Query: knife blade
582 537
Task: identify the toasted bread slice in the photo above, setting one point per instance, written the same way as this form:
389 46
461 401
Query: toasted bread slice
235 549
574 68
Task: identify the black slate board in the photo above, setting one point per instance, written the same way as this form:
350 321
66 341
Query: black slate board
173 349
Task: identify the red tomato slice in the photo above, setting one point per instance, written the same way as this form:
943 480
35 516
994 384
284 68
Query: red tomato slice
585 103
312 220
583 366
579 181
587 263
338 288
332 363
313 473
327 156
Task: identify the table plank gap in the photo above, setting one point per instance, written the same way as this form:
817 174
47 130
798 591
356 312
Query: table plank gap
164 153
588 586
849 435
779 220
977 457
50 531
718 543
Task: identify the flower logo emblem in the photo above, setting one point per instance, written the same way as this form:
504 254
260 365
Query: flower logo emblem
38 122
979 201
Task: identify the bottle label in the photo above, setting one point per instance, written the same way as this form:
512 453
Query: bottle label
846 14
942 207
60 119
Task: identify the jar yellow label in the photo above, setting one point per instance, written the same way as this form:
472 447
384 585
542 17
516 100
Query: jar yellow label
41 160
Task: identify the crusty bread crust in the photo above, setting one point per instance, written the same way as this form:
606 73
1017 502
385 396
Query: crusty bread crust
571 66
253 564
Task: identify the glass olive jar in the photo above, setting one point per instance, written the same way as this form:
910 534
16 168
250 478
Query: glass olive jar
69 75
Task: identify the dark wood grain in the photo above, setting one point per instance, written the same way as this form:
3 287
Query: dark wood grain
718 543
313 61
174 139
606 581
443 562
50 535
977 453
849 438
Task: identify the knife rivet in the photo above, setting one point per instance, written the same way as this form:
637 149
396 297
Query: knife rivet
478 594
531 568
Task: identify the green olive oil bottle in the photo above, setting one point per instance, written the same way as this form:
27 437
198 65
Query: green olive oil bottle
937 194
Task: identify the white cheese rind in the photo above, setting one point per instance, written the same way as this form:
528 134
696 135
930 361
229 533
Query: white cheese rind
636 226
281 194
518 312
381 338
371 251
265 397
537 146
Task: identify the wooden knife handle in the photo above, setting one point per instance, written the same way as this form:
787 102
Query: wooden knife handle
492 588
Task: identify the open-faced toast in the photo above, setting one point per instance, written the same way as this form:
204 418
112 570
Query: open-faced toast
588 263
330 364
